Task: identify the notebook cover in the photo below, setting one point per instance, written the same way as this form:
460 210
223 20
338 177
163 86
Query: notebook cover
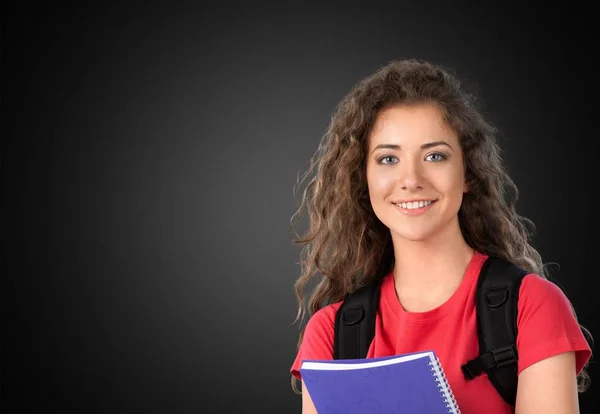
413 386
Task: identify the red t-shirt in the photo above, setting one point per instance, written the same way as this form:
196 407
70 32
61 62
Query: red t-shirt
546 327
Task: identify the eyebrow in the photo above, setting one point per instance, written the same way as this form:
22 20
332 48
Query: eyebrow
424 146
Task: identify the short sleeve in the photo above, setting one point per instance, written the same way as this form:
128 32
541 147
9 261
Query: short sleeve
317 342
547 325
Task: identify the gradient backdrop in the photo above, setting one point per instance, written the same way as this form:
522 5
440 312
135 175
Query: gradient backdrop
149 156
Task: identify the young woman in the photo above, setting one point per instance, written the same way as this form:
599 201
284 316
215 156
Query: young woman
408 183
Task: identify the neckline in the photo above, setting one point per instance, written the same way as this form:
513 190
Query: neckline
388 292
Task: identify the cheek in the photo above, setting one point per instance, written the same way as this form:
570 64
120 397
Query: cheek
450 182
379 184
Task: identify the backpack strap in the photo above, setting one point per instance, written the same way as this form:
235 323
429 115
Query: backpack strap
355 322
496 306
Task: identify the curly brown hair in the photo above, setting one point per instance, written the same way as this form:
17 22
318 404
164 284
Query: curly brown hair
345 245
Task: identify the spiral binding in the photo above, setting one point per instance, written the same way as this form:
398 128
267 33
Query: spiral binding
443 386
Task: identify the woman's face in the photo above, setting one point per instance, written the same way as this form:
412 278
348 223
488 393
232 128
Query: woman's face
415 172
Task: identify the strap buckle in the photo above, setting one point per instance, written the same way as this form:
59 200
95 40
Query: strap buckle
506 355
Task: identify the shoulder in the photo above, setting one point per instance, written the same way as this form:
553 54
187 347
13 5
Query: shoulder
320 326
317 340
535 291
539 297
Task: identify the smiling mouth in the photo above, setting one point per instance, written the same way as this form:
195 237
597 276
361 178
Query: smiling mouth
415 205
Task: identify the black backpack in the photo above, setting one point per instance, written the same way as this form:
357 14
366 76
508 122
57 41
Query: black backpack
496 308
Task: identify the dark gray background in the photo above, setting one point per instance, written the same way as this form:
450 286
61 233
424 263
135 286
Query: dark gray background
148 161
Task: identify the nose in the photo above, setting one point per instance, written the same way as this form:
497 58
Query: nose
411 177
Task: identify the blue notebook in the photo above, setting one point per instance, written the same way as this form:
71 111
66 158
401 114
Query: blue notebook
410 383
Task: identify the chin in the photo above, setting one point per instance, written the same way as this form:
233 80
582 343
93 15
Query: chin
417 235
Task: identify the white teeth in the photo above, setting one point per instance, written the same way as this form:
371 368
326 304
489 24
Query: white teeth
414 204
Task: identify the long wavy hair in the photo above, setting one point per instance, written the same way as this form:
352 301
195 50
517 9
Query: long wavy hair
345 245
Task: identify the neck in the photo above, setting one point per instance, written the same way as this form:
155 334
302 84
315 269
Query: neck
433 264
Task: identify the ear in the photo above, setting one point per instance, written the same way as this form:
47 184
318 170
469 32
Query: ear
469 180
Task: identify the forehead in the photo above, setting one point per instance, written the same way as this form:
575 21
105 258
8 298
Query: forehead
410 124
